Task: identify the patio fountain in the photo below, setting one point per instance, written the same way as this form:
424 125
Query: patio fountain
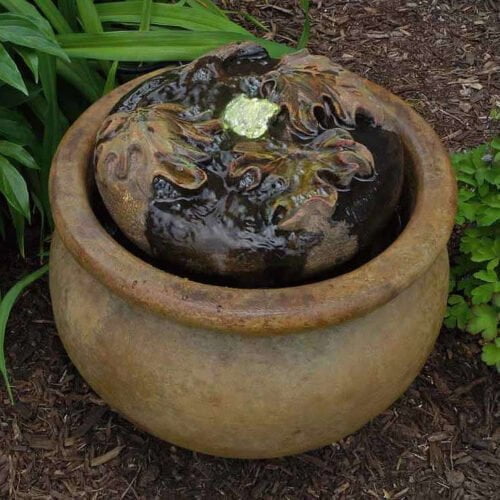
250 254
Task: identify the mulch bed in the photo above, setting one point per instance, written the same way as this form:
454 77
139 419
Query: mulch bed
440 440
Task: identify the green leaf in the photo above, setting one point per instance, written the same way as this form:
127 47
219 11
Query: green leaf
458 313
13 187
456 299
491 354
25 8
30 58
490 276
14 127
6 305
206 5
82 77
466 179
43 216
495 300
89 16
22 30
304 36
482 294
110 80
18 220
483 190
484 321
253 20
160 45
18 153
496 160
11 98
9 72
495 113
468 210
488 216
492 200
69 10
493 264
465 195
53 128
54 16
146 15
495 143
198 19
462 163
91 23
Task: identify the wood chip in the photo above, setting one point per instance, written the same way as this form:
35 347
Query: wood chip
455 478
41 442
110 455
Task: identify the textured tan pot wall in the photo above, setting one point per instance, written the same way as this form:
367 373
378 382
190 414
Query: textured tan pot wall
243 396
253 372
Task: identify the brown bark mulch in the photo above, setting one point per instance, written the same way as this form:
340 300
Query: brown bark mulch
441 439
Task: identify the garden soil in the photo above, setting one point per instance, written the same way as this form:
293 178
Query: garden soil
440 440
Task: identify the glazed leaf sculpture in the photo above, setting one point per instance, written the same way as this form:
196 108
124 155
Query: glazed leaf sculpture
134 148
317 93
308 176
248 169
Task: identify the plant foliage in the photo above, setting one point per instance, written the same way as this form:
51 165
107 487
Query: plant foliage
6 304
474 302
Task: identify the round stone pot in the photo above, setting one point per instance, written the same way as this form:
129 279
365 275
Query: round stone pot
249 373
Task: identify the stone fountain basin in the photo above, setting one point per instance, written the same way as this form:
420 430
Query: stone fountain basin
249 373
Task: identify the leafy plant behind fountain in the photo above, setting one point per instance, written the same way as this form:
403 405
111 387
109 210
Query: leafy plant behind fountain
56 58
474 303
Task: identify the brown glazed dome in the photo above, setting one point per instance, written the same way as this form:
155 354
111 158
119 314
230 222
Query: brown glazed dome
261 172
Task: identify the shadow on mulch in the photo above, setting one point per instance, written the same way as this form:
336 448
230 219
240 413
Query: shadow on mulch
440 440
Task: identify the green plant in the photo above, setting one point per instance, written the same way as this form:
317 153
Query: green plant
6 304
474 302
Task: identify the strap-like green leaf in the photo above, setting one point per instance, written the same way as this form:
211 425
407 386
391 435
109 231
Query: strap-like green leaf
9 72
18 222
14 127
110 80
82 77
70 12
54 16
6 305
52 124
89 16
91 24
30 58
22 30
306 29
18 153
25 8
13 187
206 5
160 45
146 15
167 15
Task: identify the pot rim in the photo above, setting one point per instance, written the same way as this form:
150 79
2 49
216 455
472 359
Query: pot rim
257 311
